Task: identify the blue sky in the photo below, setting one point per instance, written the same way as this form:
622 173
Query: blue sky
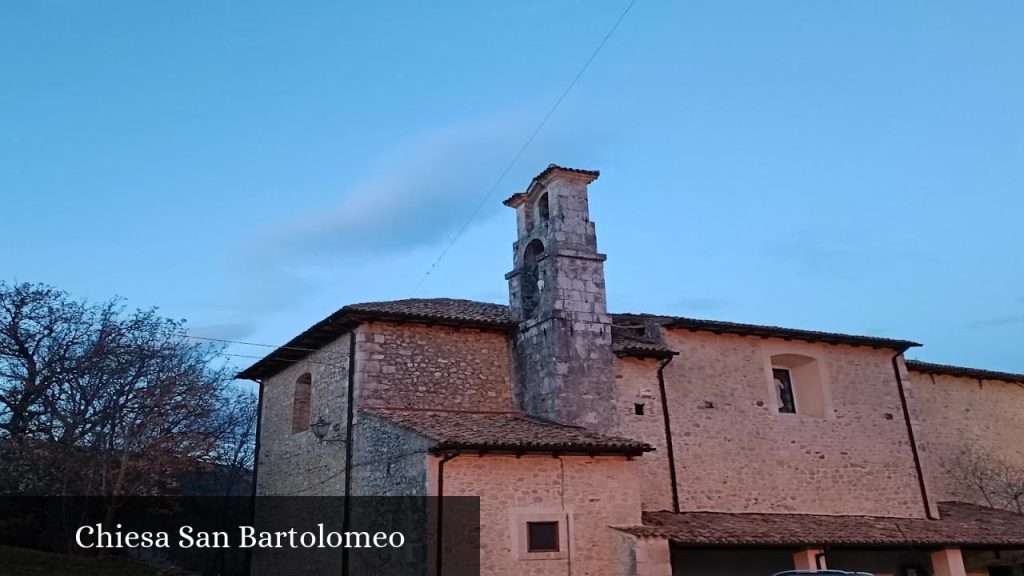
854 166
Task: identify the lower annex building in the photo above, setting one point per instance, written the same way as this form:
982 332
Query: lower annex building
637 444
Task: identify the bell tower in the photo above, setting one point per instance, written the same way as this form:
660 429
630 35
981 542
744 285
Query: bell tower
563 348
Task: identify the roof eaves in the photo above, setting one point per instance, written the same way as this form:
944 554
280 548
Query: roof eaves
644 352
531 448
400 317
299 347
963 371
719 327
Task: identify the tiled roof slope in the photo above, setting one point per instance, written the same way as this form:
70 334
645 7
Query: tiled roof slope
721 327
974 373
512 432
487 315
461 312
628 341
449 311
961 525
588 174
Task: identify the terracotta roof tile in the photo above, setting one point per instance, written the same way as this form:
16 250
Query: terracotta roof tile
504 432
961 525
764 331
590 176
487 315
625 342
463 312
974 373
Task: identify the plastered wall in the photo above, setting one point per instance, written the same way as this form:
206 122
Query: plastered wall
735 453
961 414
637 383
590 494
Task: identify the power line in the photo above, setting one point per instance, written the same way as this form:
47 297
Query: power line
472 216
226 341
519 153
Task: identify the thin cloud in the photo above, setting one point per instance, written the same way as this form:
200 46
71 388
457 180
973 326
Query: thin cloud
418 194
223 330
998 321
697 304
807 255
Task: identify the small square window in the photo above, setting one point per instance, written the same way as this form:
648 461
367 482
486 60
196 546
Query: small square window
638 409
542 536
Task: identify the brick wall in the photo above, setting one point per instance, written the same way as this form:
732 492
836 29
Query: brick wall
734 453
412 365
957 414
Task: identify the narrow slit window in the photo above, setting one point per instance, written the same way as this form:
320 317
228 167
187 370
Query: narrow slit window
301 400
542 536
784 390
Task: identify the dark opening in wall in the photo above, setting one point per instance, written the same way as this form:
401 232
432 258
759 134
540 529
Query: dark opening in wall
530 286
543 211
638 409
542 536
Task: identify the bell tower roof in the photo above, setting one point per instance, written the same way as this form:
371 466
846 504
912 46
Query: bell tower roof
550 173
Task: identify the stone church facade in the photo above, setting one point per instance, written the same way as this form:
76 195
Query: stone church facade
639 444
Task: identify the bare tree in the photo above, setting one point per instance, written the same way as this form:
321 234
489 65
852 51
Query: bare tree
233 457
982 477
42 336
97 400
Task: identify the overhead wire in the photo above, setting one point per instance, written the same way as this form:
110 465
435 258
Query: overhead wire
519 153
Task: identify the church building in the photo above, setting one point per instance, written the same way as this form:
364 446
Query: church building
607 444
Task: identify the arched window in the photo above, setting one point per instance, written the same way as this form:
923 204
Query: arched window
531 282
301 403
798 385
542 208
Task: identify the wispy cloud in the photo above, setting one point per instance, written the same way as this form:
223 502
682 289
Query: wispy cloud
412 198
806 254
687 305
223 330
417 194
998 321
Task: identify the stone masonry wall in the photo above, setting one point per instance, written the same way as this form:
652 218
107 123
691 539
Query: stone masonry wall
637 382
297 464
418 366
734 453
958 414
593 493
387 460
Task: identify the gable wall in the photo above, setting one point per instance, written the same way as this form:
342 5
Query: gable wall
419 366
